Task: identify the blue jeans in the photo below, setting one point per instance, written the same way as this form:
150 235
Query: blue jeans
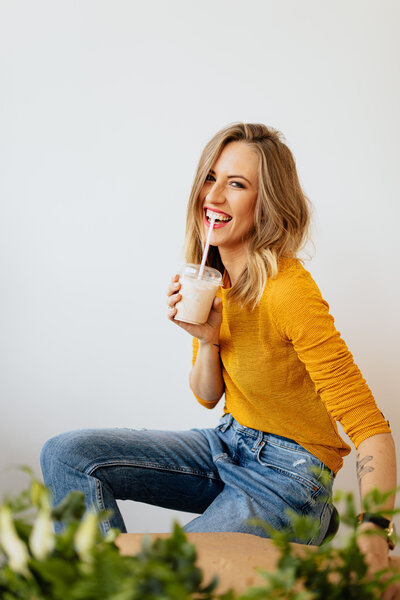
227 475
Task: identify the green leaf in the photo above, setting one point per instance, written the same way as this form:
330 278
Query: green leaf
166 568
72 508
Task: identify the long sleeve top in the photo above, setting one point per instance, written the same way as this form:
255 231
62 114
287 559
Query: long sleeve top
287 371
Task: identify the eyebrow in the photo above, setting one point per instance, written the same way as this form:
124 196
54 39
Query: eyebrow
233 176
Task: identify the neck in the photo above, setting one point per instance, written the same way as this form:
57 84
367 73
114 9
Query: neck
234 263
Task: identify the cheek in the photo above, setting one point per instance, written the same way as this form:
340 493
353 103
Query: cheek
248 218
200 214
201 200
204 191
249 213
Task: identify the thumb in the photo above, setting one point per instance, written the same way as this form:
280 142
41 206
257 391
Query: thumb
217 304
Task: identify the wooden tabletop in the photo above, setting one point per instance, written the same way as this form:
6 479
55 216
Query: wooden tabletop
233 557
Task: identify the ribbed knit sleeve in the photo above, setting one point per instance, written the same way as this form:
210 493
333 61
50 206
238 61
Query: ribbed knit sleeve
302 317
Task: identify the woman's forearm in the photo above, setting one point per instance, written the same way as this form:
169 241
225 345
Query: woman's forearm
206 377
376 466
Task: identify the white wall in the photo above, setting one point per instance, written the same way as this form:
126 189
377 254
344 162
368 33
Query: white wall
104 109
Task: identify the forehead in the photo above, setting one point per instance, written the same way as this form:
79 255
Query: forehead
238 158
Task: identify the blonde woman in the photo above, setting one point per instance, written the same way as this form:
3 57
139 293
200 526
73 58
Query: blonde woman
271 348
270 345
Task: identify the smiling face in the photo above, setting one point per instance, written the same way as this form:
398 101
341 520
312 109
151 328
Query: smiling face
230 191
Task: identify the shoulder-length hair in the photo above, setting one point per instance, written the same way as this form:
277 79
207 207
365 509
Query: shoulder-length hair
282 212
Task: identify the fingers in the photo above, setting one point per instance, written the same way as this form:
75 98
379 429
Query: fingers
172 301
174 286
173 296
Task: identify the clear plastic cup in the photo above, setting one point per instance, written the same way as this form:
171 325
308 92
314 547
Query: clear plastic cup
197 294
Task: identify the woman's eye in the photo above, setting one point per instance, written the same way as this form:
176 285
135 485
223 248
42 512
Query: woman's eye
237 184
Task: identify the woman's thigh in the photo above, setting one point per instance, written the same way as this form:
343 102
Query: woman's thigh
173 469
266 477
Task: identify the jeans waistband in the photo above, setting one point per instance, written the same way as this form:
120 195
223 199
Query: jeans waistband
227 420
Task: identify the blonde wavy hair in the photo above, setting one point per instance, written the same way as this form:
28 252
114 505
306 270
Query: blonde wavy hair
282 212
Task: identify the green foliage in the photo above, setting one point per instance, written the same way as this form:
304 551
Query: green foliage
328 572
79 564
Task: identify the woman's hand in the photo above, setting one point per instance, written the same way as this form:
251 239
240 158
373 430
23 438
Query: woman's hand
208 333
375 550
205 377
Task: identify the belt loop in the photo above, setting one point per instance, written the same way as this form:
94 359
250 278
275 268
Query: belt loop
258 442
227 423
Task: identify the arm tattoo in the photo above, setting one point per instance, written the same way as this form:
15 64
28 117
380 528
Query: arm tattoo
362 467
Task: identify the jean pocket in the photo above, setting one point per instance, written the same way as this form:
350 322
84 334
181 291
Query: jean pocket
297 476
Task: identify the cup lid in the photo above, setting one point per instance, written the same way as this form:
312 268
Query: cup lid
209 274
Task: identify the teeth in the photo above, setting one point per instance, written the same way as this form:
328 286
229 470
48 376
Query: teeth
210 214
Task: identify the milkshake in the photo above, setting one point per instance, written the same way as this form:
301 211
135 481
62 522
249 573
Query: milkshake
197 294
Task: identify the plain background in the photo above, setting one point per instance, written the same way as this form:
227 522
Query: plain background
105 107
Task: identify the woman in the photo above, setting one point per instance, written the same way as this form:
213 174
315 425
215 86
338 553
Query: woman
271 347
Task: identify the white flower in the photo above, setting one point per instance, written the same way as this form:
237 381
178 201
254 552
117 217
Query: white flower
86 534
38 493
42 539
13 546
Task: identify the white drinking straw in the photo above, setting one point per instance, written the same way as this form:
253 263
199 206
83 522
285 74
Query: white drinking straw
206 247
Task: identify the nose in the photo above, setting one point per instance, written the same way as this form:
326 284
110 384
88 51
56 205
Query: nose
215 195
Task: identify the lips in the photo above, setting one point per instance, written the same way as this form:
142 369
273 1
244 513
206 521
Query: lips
221 218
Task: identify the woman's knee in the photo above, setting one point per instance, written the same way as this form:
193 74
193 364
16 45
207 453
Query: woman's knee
66 448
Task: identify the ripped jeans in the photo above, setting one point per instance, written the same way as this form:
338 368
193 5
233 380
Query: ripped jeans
227 475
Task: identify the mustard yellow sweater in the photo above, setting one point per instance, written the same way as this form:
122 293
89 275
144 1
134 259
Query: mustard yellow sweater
288 372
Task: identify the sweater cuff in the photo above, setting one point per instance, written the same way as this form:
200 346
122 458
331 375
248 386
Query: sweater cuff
204 403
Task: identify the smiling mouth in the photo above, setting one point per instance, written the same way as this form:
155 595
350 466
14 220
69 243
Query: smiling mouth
219 217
